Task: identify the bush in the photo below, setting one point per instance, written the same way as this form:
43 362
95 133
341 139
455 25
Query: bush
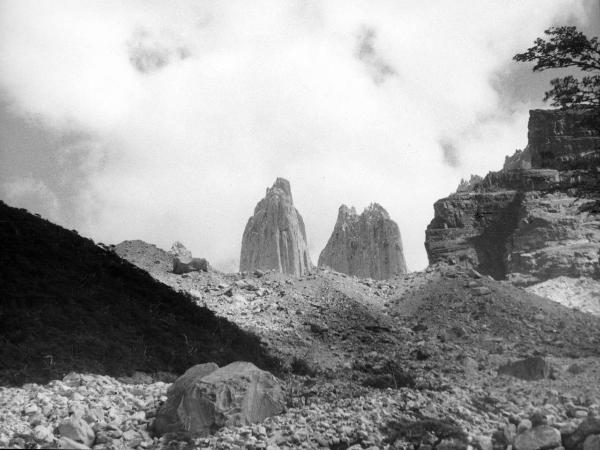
300 366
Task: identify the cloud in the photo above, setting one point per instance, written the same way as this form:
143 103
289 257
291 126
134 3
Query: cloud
148 53
380 70
35 193
190 109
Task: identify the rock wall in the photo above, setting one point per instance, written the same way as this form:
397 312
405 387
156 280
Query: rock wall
564 140
367 245
536 219
275 237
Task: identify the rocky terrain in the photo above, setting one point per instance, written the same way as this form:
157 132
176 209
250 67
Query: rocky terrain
538 218
424 359
366 245
275 237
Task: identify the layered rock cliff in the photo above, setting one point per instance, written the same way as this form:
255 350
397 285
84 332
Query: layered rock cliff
275 237
366 245
536 219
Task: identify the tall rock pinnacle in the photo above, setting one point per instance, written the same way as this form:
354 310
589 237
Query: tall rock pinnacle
368 245
275 237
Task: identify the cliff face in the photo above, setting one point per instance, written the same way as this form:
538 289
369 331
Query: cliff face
275 237
368 245
536 219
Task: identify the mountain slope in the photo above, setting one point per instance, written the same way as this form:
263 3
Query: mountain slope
68 304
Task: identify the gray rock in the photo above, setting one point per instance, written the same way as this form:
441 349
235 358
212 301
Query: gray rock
179 250
275 237
367 245
481 290
535 368
508 225
167 419
181 266
538 438
78 430
237 394
592 442
65 442
524 425
590 426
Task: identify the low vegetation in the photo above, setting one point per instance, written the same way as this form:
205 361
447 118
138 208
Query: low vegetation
69 305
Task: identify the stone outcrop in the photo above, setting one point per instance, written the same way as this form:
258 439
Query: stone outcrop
206 398
366 245
536 219
180 251
275 237
535 368
181 266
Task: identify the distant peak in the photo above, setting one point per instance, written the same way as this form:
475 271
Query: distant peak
346 211
283 184
375 209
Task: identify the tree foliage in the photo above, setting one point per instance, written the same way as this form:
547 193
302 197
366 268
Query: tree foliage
566 47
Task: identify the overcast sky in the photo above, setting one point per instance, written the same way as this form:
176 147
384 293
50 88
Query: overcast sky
166 120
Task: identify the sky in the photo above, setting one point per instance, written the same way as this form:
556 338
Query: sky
166 120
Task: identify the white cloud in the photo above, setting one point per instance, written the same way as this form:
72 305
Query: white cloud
233 94
34 193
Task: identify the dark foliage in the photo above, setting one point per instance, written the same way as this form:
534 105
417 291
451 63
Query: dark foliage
567 47
423 430
67 304
383 381
392 376
300 366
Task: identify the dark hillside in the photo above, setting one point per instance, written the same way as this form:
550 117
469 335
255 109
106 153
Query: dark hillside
69 305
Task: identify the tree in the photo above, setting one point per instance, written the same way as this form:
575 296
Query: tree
568 47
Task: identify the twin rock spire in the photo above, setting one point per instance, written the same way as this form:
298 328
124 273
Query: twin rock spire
365 245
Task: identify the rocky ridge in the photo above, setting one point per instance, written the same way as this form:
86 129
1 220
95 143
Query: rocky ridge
366 245
539 217
275 237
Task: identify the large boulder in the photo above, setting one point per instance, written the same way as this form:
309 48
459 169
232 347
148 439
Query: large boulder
167 419
208 399
589 427
535 368
542 437
181 266
366 245
592 442
275 237
77 430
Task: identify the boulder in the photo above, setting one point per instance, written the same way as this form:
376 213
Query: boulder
535 368
65 442
590 426
275 237
538 438
181 266
368 245
167 419
592 442
78 430
237 394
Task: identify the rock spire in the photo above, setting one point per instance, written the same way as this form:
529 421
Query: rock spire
275 237
365 245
